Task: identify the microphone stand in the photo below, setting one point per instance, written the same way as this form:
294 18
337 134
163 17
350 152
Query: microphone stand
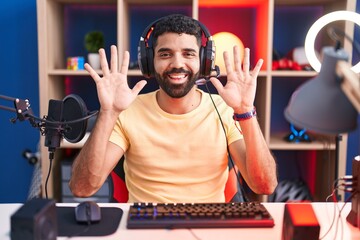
55 125
24 112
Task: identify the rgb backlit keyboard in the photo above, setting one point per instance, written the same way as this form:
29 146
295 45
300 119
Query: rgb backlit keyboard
198 215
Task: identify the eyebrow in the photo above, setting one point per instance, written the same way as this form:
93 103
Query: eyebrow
184 50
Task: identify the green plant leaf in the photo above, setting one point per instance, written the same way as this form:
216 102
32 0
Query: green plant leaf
93 41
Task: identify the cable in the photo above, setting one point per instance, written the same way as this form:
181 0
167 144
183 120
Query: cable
337 218
194 234
227 146
44 120
340 211
51 157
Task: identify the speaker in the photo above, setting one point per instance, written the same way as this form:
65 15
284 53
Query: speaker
300 222
146 53
36 219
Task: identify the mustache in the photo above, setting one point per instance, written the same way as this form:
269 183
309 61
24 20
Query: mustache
177 70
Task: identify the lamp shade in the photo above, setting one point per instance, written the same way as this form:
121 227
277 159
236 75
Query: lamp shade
320 104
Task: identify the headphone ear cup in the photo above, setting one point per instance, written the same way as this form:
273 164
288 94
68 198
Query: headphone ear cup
143 59
207 56
202 62
150 61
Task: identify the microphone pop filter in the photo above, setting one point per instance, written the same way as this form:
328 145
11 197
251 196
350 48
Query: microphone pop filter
74 109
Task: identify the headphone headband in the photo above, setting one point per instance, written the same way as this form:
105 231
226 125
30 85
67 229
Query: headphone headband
146 33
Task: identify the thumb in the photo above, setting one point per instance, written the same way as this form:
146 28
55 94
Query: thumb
217 84
139 86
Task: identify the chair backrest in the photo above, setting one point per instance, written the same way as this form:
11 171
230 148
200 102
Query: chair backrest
119 190
233 189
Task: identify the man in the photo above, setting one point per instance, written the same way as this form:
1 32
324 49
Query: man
175 144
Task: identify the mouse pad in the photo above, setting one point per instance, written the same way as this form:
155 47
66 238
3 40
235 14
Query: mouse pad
67 225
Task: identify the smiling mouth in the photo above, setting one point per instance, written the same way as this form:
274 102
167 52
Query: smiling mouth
177 76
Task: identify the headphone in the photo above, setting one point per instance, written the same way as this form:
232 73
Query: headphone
146 53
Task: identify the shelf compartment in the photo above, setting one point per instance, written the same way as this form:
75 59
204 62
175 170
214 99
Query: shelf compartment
294 22
136 15
314 168
282 89
79 19
294 19
249 20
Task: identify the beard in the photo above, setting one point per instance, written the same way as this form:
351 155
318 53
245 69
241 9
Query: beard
176 90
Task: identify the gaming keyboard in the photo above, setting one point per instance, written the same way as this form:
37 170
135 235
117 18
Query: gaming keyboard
198 215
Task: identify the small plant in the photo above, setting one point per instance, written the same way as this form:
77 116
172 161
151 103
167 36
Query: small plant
94 41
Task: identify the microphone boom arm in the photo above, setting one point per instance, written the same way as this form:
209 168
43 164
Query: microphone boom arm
21 108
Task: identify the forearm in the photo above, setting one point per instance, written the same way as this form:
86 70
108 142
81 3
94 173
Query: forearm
259 162
89 168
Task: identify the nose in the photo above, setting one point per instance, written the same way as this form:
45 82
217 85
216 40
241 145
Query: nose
177 61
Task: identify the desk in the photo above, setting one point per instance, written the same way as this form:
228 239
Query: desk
323 211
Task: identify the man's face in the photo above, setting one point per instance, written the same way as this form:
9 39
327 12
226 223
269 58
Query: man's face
177 63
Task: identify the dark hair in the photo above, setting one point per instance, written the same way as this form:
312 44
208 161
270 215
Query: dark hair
177 23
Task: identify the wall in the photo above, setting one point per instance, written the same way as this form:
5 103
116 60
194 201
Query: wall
19 78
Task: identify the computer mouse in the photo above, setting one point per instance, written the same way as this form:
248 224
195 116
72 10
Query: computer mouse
87 212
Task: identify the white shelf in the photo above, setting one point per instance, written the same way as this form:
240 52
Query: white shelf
66 72
287 73
277 142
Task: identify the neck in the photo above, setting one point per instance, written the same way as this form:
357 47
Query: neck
179 105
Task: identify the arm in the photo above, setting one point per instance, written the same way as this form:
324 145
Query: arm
252 156
99 156
254 159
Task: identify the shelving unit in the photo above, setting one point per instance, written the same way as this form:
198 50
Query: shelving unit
261 25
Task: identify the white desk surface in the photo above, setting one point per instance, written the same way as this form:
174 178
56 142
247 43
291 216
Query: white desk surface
323 211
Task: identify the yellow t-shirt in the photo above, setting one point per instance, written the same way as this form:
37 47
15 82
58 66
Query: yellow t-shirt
175 158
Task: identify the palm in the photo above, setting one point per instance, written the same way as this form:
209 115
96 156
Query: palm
112 88
240 89
114 92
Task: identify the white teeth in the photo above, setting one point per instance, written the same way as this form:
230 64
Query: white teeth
177 76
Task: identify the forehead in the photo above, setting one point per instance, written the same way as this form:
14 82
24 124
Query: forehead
176 41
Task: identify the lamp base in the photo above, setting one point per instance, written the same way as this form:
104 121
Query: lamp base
297 135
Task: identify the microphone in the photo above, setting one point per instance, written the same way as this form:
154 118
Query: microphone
53 131
65 119
203 81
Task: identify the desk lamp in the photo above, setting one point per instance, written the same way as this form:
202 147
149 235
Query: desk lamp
330 102
320 104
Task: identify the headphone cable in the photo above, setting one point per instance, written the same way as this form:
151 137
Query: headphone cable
237 173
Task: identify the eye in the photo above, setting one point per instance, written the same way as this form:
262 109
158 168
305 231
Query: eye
164 54
189 54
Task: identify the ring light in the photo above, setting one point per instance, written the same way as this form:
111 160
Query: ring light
317 26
